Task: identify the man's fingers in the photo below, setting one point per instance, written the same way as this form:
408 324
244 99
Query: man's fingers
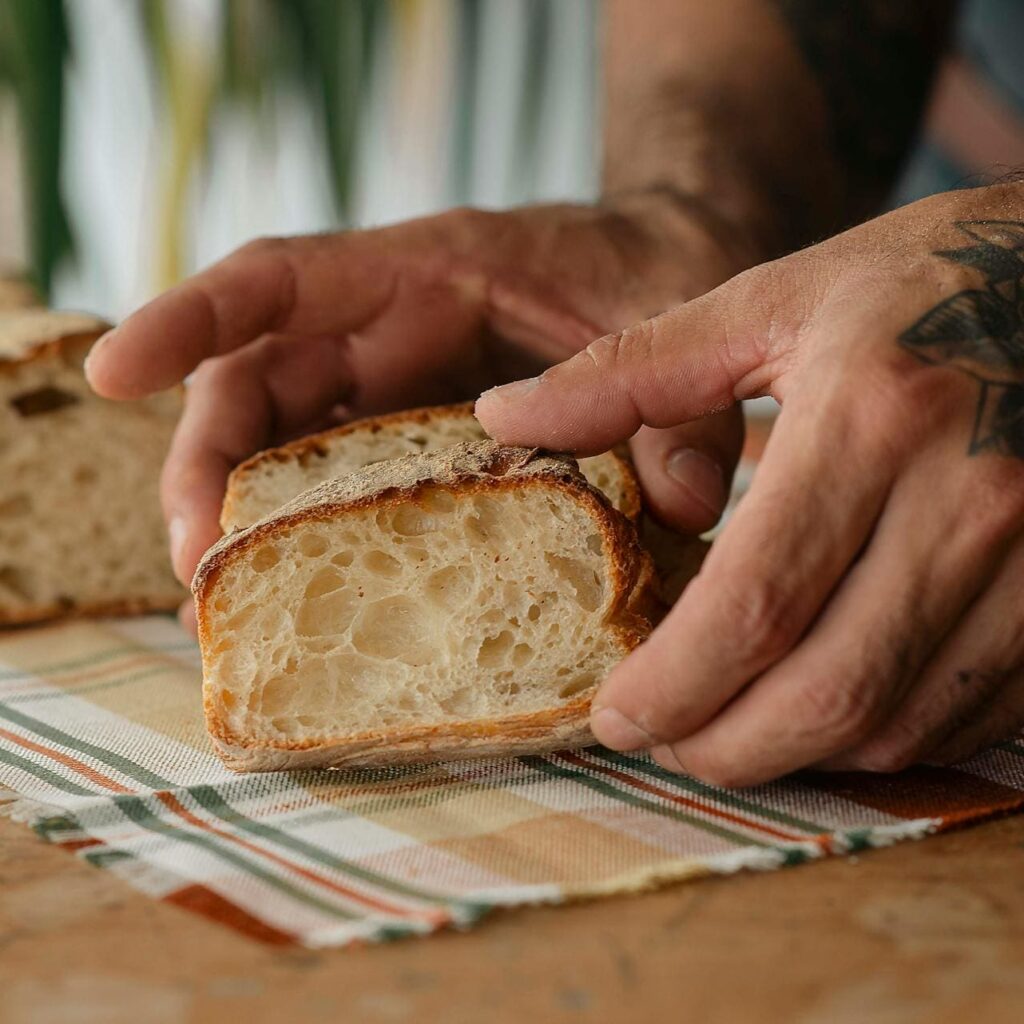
187 616
1001 719
923 566
192 490
693 360
685 471
317 285
808 512
233 405
958 687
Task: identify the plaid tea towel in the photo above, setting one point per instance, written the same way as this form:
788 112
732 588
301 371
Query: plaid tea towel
102 750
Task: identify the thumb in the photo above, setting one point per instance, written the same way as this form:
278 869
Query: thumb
685 471
661 372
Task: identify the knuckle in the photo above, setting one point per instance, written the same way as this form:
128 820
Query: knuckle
895 409
839 711
998 499
765 618
621 350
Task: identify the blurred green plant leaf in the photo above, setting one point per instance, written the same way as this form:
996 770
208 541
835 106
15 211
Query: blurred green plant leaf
33 53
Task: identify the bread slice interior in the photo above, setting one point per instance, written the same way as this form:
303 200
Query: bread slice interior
450 604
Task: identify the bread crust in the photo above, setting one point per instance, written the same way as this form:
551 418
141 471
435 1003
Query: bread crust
97 609
466 469
35 335
316 445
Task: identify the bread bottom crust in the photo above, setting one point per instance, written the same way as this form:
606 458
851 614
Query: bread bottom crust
383 750
99 609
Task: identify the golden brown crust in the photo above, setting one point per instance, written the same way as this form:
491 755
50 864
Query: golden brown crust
476 467
313 444
34 335
317 445
539 733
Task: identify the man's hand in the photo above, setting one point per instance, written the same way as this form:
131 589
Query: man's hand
286 336
864 607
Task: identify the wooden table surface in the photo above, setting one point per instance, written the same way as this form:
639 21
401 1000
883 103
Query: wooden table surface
928 931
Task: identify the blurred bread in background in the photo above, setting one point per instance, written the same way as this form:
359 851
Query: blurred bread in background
80 523
16 293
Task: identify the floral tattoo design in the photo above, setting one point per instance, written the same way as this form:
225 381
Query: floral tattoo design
980 332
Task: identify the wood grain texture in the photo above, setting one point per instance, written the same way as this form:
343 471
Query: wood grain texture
923 932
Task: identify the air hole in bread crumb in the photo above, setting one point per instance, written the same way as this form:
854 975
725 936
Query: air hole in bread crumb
409 521
396 628
343 559
242 618
265 558
495 650
458 703
584 581
438 501
327 615
448 587
380 563
312 545
521 654
324 582
578 685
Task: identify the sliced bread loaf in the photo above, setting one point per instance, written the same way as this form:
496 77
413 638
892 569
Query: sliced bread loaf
80 524
451 604
269 479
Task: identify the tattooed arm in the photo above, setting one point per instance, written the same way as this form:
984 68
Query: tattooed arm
864 606
781 120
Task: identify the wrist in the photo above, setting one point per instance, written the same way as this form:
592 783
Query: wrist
678 221
718 112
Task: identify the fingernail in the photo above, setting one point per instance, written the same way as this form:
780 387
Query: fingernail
516 389
615 730
701 475
178 533
96 346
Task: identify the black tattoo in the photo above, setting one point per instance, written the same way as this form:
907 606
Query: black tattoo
874 61
980 332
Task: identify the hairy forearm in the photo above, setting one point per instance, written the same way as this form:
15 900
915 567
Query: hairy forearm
766 113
